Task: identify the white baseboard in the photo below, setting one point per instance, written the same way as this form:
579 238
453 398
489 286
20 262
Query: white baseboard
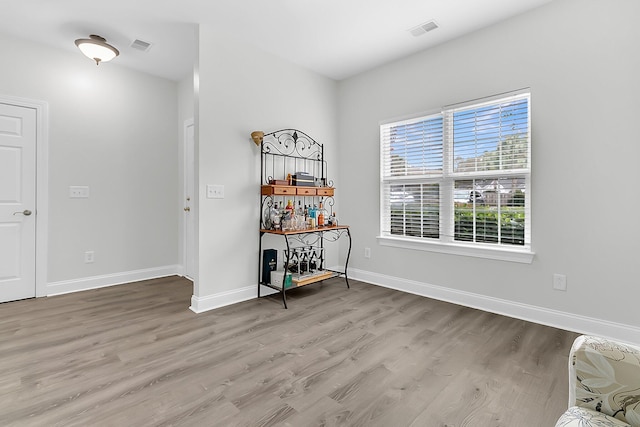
86 283
557 319
180 270
210 302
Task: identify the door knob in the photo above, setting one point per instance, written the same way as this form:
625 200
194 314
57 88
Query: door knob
25 212
187 209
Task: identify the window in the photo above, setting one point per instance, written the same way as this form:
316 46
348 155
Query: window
459 177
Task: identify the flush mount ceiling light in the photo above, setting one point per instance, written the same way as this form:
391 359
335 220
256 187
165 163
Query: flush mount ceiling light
97 48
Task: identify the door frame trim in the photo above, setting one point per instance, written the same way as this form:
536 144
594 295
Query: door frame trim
183 227
42 184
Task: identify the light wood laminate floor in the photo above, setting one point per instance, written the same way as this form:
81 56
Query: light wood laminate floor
134 355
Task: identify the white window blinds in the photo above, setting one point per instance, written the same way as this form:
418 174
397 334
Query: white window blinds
412 153
412 147
492 136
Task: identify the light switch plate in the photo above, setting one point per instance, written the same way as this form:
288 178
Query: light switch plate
215 191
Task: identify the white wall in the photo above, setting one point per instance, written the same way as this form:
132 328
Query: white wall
114 130
242 89
580 60
185 100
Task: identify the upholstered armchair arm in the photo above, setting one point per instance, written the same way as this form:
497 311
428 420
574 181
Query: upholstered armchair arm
604 376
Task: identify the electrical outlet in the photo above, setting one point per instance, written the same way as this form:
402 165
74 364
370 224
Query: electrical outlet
215 191
78 192
559 282
88 257
367 252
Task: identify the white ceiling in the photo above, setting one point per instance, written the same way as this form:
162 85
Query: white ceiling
336 38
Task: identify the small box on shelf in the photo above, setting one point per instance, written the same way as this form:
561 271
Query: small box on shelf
276 279
303 180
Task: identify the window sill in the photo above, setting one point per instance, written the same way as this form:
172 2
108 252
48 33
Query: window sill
523 256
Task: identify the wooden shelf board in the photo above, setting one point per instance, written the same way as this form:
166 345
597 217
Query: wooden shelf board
312 279
307 230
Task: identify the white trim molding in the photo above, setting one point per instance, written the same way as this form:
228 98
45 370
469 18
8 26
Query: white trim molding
501 253
211 302
222 299
184 171
557 319
95 282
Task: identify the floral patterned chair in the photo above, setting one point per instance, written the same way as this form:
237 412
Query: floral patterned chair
604 384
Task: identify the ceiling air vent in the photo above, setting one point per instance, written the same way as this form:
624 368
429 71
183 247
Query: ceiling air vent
423 28
141 45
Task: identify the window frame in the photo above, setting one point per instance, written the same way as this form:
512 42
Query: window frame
446 242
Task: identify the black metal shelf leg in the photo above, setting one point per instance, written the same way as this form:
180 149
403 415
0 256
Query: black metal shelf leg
286 270
346 263
259 261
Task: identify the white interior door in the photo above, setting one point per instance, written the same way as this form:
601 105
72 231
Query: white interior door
189 184
17 202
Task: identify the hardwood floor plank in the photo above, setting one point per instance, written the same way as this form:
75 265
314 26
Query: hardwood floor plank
134 355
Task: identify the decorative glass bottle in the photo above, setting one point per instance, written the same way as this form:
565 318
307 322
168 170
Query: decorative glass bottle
323 216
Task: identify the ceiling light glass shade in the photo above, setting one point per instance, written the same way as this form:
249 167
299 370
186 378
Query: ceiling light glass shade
97 48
